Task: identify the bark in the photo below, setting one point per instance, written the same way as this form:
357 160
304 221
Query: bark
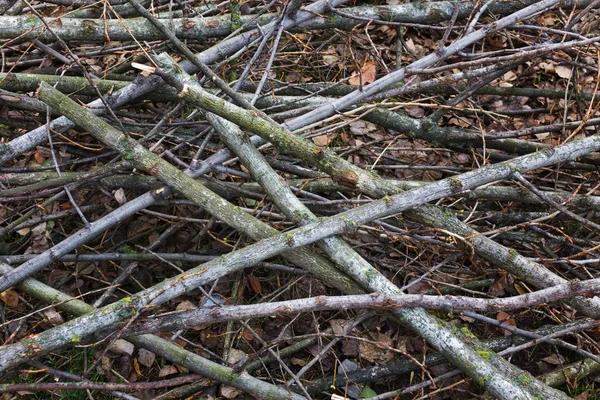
160 346
140 87
391 205
354 177
201 29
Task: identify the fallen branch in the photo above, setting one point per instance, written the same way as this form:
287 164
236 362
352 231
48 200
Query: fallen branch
377 301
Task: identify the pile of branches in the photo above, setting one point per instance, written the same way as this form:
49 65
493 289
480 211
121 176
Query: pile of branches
299 199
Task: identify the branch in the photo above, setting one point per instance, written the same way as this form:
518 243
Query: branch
377 301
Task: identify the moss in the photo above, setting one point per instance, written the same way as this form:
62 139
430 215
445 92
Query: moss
484 354
514 168
524 379
236 18
349 224
300 216
512 253
88 28
483 380
388 200
289 239
456 184
467 333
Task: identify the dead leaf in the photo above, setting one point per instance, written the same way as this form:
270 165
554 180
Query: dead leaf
39 157
106 363
297 361
185 305
57 23
255 285
146 69
350 347
247 335
321 140
146 358
292 77
167 370
410 45
331 59
229 392
368 72
499 287
236 356
136 367
520 288
377 353
508 320
24 231
554 359
10 298
120 196
362 127
542 136
459 121
563 72
415 112
122 347
52 316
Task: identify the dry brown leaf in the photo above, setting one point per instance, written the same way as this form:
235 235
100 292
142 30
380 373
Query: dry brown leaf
10 298
563 72
122 347
24 231
415 112
229 392
39 157
247 335
52 316
147 70
499 287
297 361
146 358
520 288
459 121
236 356
255 285
506 319
582 396
362 127
120 196
167 370
185 305
368 72
377 353
321 140
136 367
554 359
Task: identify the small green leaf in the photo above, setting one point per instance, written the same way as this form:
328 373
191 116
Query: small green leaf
367 392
